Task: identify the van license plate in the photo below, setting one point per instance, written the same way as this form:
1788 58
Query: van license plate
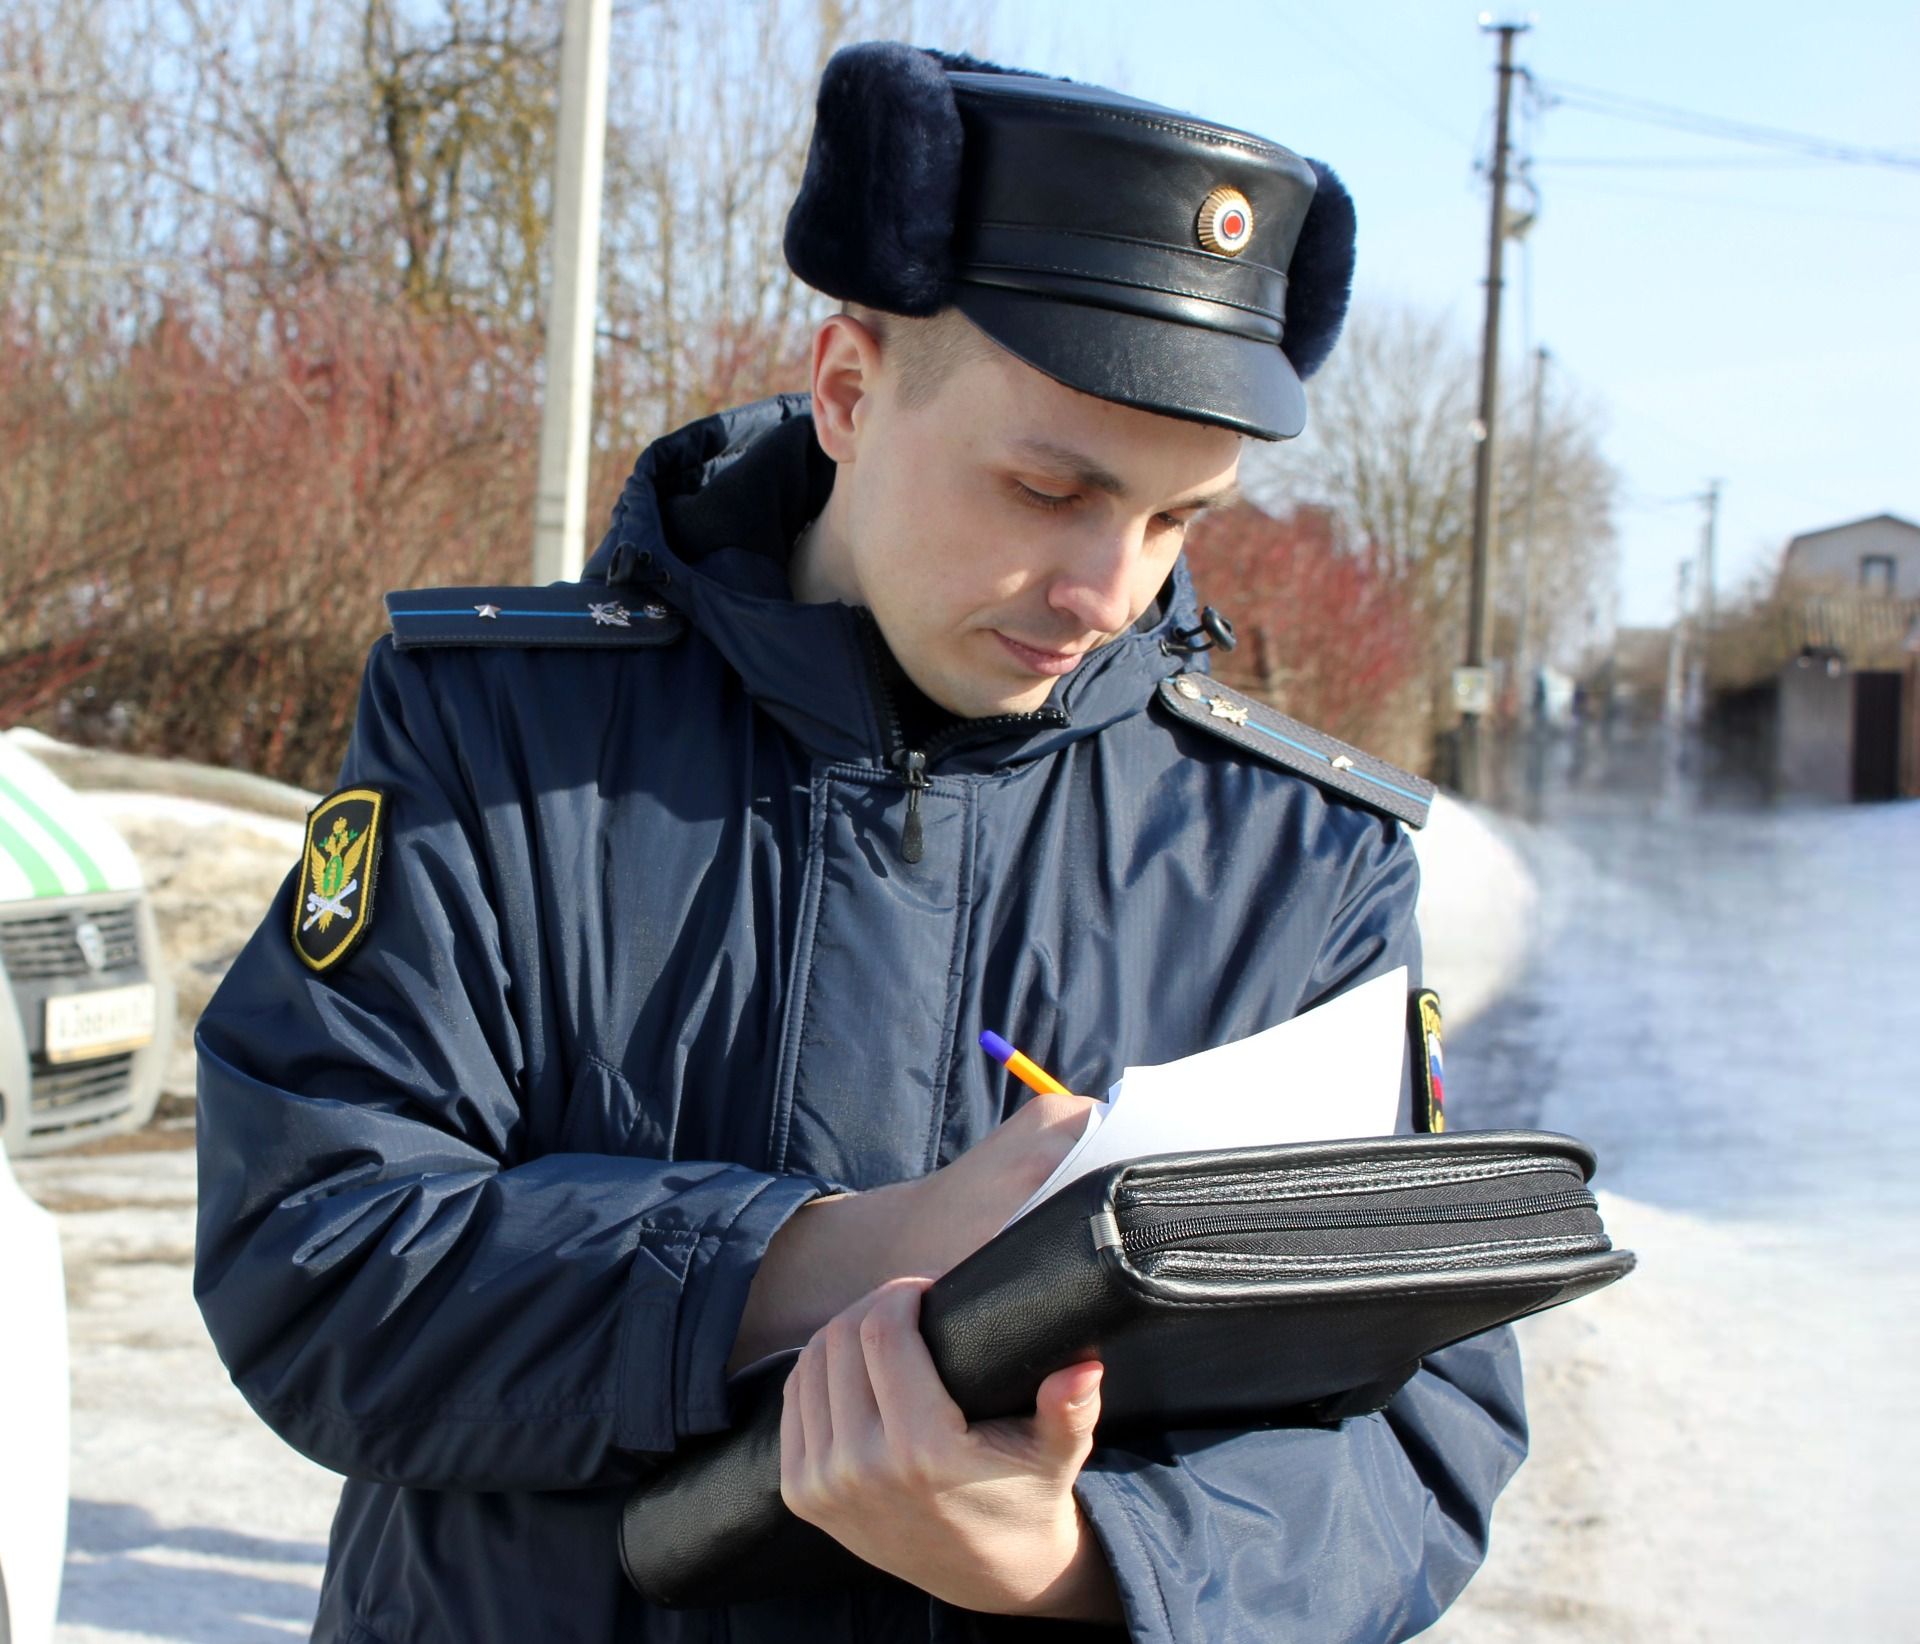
97 1024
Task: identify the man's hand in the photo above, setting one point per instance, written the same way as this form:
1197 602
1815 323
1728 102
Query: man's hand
838 1249
875 1453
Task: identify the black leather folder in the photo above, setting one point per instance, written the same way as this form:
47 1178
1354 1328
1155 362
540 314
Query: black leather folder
1280 1285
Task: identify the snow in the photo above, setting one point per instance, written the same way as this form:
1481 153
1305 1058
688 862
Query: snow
1476 907
190 1521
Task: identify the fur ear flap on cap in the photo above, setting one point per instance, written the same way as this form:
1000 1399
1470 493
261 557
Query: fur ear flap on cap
1320 276
874 219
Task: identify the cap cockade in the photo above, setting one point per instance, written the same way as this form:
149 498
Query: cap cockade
1226 222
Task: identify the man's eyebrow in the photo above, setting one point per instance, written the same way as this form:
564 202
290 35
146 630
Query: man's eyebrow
1225 497
1083 470
1071 464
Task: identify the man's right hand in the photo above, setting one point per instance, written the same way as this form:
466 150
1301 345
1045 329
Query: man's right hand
836 1250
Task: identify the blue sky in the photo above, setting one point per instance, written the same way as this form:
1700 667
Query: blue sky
1755 324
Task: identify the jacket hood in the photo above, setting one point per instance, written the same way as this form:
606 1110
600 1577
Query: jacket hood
817 669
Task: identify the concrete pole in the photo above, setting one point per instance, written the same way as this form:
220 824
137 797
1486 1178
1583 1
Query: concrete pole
566 412
1470 773
1673 758
1673 709
1524 641
1698 680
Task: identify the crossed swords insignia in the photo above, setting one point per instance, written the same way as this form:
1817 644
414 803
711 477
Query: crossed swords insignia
318 904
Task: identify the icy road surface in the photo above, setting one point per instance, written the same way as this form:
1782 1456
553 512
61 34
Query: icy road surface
1723 1003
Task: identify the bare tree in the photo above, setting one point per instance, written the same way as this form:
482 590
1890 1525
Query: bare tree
271 278
708 124
1389 450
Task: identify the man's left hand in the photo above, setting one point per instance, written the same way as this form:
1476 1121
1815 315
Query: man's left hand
875 1453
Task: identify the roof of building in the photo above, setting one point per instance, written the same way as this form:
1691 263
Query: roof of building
1852 525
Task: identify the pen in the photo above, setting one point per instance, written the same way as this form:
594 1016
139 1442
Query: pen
1029 1072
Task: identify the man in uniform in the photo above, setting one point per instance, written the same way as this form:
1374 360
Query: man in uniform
616 1027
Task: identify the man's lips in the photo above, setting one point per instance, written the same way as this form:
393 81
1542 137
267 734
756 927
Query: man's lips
1039 661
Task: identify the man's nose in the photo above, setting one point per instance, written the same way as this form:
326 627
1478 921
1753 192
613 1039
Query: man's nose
1096 589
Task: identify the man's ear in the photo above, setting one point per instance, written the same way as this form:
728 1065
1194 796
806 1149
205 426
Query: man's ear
846 366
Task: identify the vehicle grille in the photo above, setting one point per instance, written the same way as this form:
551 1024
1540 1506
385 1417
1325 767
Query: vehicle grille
68 1095
43 947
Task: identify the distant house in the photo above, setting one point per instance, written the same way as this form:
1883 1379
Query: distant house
1828 672
1879 555
1849 713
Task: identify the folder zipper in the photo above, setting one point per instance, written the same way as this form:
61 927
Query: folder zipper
1160 1235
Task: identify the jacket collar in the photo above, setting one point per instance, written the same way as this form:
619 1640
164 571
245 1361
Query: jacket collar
706 522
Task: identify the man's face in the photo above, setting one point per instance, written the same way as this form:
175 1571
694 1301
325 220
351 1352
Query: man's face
1010 526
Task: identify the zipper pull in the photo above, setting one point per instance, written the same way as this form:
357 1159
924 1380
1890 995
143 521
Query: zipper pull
912 766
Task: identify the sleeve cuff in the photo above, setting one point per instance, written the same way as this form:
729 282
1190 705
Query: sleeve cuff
686 1293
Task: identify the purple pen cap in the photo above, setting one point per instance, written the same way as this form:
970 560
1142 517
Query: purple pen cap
996 1047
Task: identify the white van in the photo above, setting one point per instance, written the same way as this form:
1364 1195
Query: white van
87 1019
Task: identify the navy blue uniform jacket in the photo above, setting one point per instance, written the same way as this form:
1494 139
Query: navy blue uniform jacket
647 971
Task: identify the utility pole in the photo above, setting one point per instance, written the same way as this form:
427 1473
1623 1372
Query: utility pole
1697 680
1473 700
1523 642
1673 709
566 412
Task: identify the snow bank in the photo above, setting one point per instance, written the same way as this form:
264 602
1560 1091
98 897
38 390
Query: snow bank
1477 907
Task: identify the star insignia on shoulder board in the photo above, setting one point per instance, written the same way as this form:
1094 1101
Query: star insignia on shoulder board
487 611
1221 708
610 614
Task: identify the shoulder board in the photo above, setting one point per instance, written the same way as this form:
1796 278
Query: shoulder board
562 614
1250 724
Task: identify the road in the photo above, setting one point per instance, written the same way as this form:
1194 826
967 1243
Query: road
1722 1003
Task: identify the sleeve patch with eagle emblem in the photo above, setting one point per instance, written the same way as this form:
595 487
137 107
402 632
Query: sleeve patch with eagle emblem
333 904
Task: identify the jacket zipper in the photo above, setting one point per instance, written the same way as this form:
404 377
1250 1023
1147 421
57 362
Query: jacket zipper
1160 1235
912 766
912 763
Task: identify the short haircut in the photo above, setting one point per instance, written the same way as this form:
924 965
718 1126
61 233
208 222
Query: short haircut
923 352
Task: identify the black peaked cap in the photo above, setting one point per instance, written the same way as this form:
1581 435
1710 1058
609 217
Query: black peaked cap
1130 251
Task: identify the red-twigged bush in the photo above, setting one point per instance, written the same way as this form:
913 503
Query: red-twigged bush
1325 633
199 523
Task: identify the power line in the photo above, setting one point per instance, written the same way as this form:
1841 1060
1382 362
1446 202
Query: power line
1407 96
1561 93
1621 162
1772 208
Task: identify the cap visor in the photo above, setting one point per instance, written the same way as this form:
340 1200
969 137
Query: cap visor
1155 365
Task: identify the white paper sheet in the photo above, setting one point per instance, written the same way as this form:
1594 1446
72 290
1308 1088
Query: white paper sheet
1331 1073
